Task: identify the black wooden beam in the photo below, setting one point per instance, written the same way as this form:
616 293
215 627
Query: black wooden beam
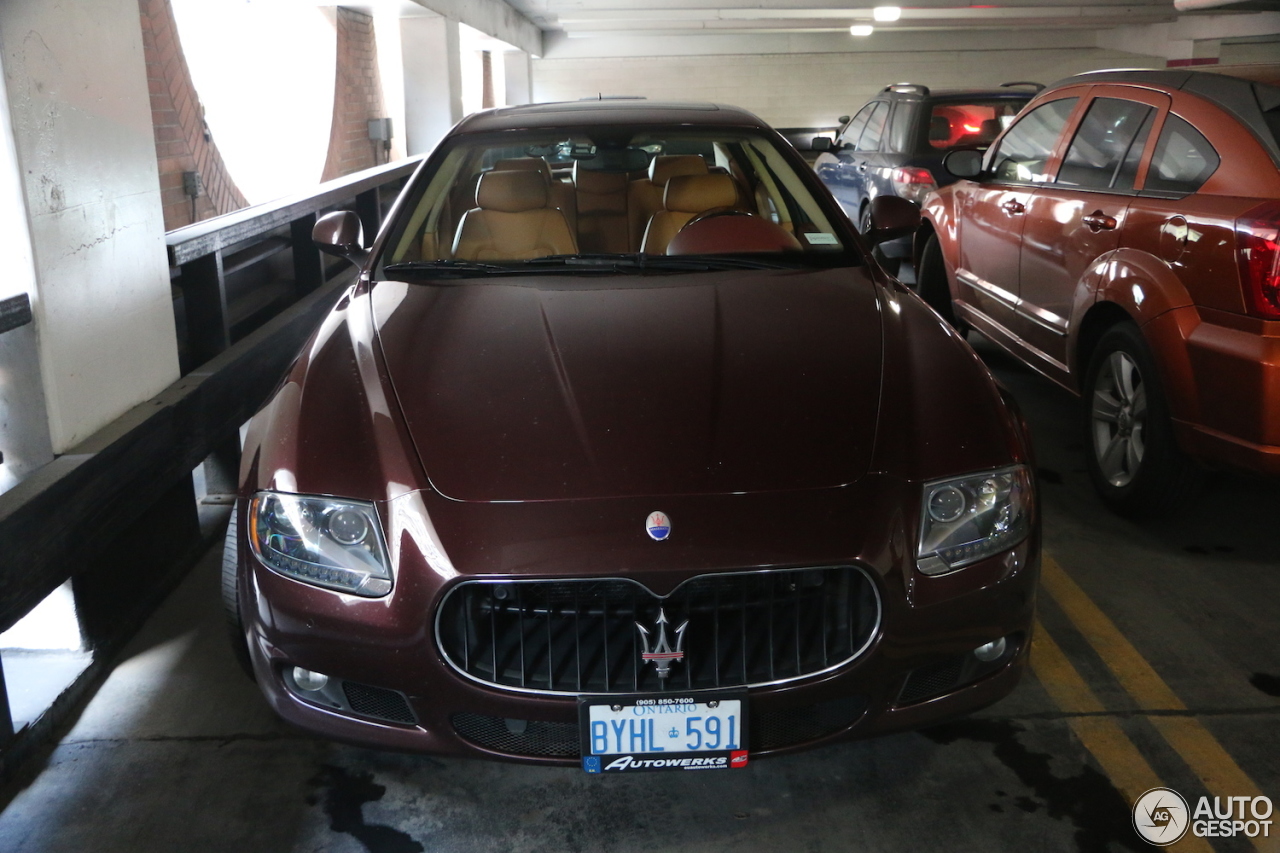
210 236
61 516
14 312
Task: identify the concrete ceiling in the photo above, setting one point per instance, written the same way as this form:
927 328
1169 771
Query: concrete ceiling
588 18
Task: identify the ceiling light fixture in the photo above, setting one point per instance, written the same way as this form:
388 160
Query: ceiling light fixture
861 30
887 13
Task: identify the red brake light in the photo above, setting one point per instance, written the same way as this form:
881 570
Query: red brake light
912 175
1258 253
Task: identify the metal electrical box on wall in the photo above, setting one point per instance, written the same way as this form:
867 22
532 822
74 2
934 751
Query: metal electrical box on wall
380 129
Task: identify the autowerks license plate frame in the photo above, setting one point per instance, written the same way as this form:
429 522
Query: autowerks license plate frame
696 731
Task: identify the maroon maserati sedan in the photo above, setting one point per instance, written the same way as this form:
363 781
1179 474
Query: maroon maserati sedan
622 453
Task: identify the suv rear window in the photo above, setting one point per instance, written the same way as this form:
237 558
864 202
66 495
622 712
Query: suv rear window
954 125
1183 160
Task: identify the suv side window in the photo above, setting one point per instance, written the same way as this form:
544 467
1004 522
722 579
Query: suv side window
875 128
1183 160
1107 136
1024 152
902 127
855 127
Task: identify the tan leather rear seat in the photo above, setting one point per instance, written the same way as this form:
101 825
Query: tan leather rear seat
512 220
602 210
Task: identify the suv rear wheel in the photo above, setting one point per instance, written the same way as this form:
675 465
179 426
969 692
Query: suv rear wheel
1133 458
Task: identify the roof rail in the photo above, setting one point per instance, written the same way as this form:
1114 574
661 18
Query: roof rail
907 87
1039 87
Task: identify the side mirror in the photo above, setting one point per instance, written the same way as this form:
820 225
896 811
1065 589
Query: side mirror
820 143
963 162
340 233
891 218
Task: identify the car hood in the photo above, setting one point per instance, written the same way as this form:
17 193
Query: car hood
562 388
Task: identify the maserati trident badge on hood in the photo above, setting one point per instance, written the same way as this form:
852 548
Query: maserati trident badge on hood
658 525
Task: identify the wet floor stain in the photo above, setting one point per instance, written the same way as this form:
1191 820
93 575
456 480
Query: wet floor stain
345 795
1087 800
1203 549
1268 684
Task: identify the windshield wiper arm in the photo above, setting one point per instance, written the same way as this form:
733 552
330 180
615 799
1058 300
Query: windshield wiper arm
450 268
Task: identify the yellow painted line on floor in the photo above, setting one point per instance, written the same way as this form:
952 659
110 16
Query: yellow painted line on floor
1101 734
1188 736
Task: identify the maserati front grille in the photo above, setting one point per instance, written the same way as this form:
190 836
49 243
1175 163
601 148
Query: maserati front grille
740 629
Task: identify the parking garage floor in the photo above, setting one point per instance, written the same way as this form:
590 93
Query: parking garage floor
1156 662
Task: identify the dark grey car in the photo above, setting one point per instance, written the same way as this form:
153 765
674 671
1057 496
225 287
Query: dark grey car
894 145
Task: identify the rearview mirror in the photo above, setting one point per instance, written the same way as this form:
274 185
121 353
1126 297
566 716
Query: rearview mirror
340 233
891 218
963 162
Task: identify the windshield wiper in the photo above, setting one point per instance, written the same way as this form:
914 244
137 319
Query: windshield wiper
448 268
587 263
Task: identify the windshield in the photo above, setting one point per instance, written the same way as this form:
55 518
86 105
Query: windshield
614 198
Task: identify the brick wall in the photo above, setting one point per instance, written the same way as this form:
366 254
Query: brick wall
183 143
357 97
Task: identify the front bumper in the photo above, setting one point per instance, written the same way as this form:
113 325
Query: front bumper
917 670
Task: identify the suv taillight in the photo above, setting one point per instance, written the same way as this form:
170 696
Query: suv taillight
1258 252
913 183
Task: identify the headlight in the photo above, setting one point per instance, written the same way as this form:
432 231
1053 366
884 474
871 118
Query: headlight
965 519
328 542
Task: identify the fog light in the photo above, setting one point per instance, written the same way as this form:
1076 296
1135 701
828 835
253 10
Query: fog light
313 681
991 651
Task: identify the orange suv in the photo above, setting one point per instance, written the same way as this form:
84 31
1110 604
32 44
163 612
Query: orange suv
1122 237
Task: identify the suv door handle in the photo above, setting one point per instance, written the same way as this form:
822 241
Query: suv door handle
1099 221
1013 207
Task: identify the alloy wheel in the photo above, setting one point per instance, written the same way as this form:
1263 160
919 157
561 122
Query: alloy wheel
1119 419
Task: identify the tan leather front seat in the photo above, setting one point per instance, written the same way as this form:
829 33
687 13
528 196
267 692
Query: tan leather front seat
511 220
685 198
562 195
646 193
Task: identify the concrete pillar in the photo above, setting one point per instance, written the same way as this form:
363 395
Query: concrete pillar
517 65
432 80
24 423
82 133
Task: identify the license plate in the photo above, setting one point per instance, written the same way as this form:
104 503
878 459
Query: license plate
668 732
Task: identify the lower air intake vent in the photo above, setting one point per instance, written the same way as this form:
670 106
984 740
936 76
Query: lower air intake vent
532 738
378 702
929 681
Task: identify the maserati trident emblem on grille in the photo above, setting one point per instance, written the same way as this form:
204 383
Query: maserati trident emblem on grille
661 653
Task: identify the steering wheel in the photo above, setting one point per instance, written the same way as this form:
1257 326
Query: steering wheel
727 230
713 212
